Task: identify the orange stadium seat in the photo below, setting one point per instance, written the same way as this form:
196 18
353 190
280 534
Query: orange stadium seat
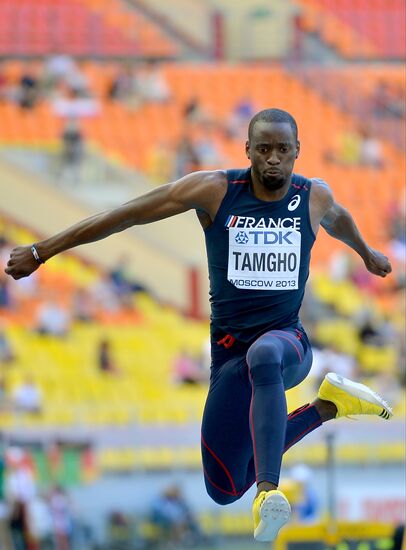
362 29
79 27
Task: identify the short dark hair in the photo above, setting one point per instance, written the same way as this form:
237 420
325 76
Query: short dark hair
273 115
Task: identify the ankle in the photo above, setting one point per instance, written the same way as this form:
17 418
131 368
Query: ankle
326 409
265 486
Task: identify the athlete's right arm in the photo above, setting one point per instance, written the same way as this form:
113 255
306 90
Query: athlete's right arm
200 190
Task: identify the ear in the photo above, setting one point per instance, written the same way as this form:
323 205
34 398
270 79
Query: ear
297 148
247 149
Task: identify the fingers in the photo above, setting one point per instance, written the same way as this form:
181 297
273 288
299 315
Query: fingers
10 271
386 269
383 272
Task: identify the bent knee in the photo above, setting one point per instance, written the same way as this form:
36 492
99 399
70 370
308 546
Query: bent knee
265 363
220 497
264 352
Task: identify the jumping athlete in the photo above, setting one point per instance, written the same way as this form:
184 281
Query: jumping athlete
260 224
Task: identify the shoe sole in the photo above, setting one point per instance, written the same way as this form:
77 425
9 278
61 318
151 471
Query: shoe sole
361 391
275 512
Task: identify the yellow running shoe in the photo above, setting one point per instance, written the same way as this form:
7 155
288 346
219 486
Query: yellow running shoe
271 510
352 398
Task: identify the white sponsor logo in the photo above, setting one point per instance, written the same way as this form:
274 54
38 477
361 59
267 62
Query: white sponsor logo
264 258
294 203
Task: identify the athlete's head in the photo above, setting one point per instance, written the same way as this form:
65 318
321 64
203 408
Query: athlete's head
272 147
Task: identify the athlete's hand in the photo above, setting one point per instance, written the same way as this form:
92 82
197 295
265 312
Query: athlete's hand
21 263
377 263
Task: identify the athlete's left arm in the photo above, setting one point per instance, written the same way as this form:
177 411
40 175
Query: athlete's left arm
338 222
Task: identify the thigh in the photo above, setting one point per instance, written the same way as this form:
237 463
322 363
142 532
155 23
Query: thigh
298 357
293 351
226 437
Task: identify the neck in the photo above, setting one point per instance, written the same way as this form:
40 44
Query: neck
264 194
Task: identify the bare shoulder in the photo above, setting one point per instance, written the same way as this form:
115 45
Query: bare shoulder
321 195
321 201
204 179
203 190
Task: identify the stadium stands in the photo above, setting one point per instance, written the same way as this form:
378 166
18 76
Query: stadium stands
366 29
130 134
377 97
89 27
146 339
139 80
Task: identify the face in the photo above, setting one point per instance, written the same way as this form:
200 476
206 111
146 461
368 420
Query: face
272 151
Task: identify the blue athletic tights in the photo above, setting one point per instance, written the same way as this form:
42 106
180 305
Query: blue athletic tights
245 428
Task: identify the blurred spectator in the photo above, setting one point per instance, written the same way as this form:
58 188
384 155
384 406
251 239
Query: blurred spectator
6 350
61 518
357 148
195 113
397 244
5 249
160 162
187 370
120 532
6 300
397 221
207 151
57 67
124 87
73 150
307 508
77 82
348 150
18 526
368 332
187 158
172 516
105 361
28 89
20 480
27 397
152 84
344 266
238 120
5 542
399 538
52 319
121 85
105 294
83 307
74 104
4 401
26 288
3 84
123 281
371 153
332 359
388 102
20 489
40 523
360 277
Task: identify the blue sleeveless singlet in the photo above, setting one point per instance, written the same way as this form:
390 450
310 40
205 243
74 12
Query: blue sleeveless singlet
258 257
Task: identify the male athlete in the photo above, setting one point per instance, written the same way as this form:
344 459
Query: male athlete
260 224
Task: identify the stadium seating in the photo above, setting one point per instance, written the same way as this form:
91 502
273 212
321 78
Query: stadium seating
129 135
124 459
377 97
79 27
145 343
366 29
151 334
